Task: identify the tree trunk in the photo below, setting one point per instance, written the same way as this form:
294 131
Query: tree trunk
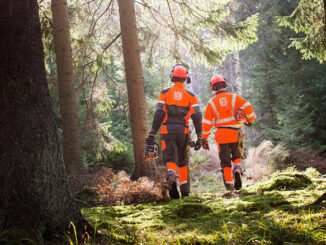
71 141
35 195
324 17
238 78
236 56
135 84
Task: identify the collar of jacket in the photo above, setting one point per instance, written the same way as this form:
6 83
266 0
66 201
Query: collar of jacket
221 91
178 85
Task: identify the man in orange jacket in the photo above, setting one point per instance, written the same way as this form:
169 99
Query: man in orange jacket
175 107
227 112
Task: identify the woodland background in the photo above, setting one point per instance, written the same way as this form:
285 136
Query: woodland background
272 52
286 90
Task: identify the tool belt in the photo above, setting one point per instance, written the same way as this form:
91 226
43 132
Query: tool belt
241 141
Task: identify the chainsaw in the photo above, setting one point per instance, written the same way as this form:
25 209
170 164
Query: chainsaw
242 118
152 152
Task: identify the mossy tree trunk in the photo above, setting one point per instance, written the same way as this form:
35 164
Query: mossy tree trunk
135 86
71 141
35 194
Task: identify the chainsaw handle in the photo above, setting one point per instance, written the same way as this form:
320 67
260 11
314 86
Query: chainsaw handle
158 148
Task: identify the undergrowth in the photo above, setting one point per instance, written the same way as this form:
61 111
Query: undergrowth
275 211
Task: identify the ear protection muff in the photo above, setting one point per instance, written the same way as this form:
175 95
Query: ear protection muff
188 74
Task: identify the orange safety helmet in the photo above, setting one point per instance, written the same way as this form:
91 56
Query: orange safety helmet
179 71
217 79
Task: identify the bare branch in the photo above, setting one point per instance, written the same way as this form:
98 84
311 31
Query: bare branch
114 81
114 39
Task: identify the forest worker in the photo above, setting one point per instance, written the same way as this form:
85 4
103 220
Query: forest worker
174 108
227 112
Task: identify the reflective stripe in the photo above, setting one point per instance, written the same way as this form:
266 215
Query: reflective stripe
251 115
228 119
208 122
236 126
214 108
195 105
183 182
206 132
234 97
229 182
171 166
161 102
244 105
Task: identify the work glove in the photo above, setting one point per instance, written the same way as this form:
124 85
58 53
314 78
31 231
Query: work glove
199 143
150 140
205 144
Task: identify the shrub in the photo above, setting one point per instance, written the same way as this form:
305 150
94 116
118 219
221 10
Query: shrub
121 190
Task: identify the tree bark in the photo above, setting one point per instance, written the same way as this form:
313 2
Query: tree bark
68 109
324 17
35 194
236 55
135 84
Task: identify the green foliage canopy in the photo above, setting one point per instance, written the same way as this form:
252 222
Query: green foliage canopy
308 20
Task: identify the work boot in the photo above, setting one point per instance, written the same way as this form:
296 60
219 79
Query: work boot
173 190
237 173
185 189
229 187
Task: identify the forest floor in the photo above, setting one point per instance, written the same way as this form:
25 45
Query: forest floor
279 210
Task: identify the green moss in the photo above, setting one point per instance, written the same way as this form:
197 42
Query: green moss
191 210
252 216
289 181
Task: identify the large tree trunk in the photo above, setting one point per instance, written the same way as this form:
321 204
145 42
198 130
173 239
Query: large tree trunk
71 141
236 55
135 85
34 189
237 70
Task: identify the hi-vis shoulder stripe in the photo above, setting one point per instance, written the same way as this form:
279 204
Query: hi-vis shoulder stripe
183 182
195 105
214 108
208 122
161 102
244 105
251 115
228 119
234 97
206 132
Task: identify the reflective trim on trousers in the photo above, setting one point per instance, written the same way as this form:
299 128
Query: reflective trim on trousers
183 174
163 144
172 166
237 161
227 172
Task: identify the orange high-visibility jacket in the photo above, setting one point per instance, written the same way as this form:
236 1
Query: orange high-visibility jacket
174 108
220 113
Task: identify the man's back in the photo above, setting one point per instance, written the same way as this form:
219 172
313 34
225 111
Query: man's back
178 105
221 112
